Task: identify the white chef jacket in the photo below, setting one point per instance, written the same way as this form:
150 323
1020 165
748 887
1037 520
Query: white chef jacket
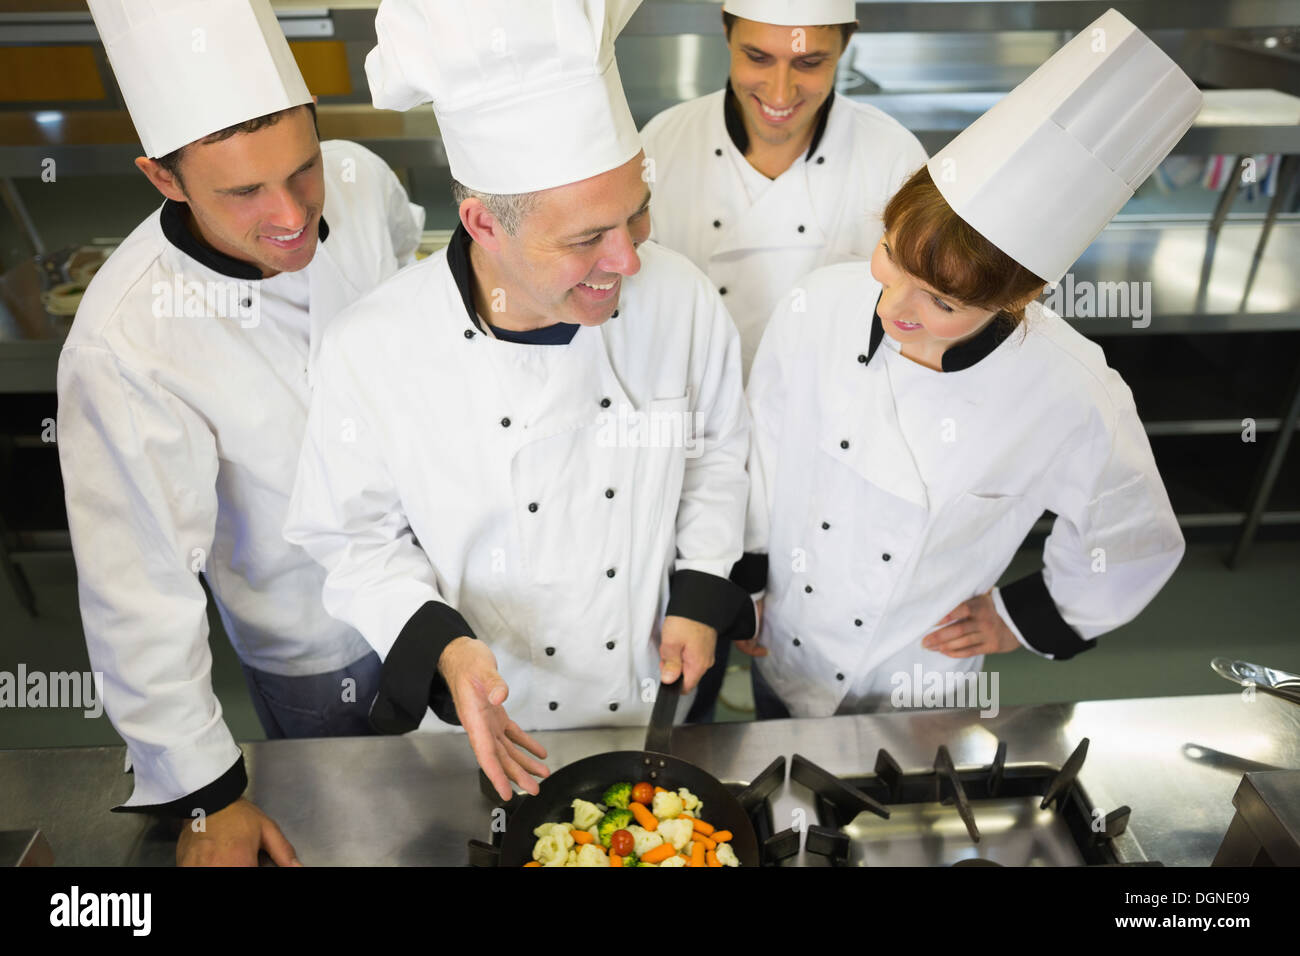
178 440
515 483
757 238
886 493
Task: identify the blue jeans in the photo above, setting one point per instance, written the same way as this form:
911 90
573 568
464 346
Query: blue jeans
767 705
319 705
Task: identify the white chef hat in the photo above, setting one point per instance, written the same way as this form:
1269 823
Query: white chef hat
527 92
189 68
1042 172
793 13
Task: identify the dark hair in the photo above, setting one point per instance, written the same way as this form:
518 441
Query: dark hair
172 161
846 29
941 249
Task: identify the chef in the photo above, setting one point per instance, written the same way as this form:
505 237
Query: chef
183 389
774 176
525 462
916 421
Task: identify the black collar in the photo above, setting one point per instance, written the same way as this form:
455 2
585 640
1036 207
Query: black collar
736 125
462 270
175 226
958 357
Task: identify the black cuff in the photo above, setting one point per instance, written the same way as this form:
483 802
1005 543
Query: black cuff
410 682
750 572
217 795
1034 612
711 600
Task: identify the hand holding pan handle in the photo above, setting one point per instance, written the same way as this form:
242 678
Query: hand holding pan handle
659 738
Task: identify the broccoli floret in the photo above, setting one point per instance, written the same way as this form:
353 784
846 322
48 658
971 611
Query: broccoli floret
632 860
617 796
613 820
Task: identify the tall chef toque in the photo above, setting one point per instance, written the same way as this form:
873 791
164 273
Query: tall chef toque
526 92
189 68
1042 172
793 13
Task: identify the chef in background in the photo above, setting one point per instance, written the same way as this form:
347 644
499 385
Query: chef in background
183 389
916 421
528 451
774 176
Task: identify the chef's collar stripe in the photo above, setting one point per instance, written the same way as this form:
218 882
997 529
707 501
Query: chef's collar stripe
736 126
177 231
958 357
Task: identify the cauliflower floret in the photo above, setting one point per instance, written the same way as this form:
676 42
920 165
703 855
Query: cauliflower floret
572 858
690 803
646 840
726 855
546 829
586 814
676 832
551 849
667 805
595 833
673 861
589 855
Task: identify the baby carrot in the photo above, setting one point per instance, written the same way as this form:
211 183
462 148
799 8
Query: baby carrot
532 863
660 853
615 860
702 827
697 855
644 817
720 836
582 836
701 838
712 858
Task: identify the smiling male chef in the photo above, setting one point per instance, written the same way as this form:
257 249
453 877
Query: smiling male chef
774 176
183 389
516 444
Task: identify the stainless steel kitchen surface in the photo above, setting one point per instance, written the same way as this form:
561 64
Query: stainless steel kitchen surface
415 801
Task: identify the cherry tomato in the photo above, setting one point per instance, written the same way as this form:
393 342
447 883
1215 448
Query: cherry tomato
643 793
622 842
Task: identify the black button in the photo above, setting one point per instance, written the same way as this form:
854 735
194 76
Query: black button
796 642
857 622
609 573
839 677
609 645
717 224
844 444
246 303
613 706
807 589
717 152
820 160
825 526
801 229
550 652
532 506
722 291
609 492
604 403
553 705
862 359
505 423
615 315
885 556
469 333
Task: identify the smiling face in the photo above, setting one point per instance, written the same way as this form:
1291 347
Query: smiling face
781 76
570 254
255 196
915 313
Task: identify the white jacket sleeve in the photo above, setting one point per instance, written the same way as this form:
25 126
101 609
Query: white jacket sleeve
1114 544
140 471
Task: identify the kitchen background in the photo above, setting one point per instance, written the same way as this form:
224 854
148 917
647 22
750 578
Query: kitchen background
1218 364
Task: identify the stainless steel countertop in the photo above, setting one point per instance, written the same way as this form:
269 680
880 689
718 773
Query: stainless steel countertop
414 800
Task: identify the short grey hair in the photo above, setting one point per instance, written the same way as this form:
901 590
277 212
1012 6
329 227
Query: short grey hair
509 209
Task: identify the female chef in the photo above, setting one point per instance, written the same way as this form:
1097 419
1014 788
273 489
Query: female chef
902 452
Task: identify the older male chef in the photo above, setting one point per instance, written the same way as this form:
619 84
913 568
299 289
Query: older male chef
774 176
183 391
537 438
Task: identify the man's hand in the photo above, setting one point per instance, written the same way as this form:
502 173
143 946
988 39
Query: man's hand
686 649
470 669
751 646
231 837
974 628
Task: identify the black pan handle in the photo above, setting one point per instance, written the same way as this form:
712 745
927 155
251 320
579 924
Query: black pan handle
659 738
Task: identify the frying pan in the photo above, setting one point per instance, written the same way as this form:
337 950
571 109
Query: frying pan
590 777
